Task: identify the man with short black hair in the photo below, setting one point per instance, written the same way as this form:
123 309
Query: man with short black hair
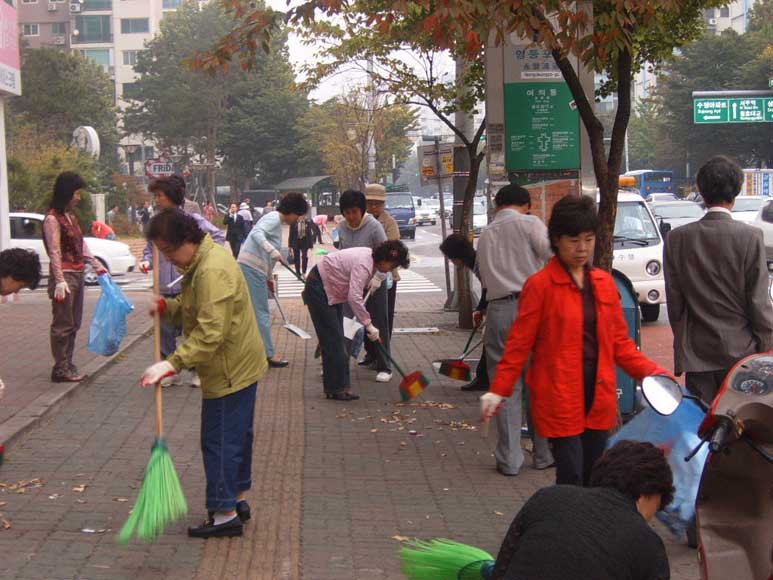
511 248
717 285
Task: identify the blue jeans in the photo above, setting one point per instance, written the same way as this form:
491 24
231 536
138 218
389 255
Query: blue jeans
257 282
226 446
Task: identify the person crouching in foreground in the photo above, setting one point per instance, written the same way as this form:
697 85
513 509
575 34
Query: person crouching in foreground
221 340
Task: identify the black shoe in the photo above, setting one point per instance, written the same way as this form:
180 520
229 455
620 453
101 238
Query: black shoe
475 385
366 362
277 364
225 530
342 396
243 510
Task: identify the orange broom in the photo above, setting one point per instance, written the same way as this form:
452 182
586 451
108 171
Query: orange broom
413 384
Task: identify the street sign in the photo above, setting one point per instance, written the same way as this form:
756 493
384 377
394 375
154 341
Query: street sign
161 167
428 162
542 127
733 110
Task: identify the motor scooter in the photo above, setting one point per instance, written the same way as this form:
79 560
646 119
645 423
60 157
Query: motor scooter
734 508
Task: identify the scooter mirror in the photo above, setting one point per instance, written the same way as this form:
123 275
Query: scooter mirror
662 393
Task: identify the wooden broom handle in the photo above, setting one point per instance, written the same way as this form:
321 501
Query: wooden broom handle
157 344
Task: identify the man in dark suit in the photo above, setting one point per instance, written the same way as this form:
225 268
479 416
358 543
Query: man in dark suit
717 285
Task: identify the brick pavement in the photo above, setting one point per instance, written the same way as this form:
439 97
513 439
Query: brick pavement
333 482
26 356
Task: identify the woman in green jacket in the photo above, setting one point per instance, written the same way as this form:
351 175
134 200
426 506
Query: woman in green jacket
222 342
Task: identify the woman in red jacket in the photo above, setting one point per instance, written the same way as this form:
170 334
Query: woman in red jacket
570 321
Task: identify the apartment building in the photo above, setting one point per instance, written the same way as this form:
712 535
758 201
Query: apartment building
44 23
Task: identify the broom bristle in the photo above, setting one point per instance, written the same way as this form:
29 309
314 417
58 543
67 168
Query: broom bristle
442 560
413 385
456 369
161 499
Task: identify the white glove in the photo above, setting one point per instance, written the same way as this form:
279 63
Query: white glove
375 283
60 291
373 333
155 372
272 251
489 403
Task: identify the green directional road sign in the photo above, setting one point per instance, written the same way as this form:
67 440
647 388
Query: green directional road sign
735 110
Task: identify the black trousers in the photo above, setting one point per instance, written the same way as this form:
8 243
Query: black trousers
236 245
378 308
705 384
575 456
301 257
481 372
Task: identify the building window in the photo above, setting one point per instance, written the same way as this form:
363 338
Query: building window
30 30
92 5
92 29
130 90
29 1
100 56
135 25
130 57
58 28
171 4
724 12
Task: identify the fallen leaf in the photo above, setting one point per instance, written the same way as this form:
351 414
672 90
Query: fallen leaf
374 430
120 499
403 444
3 503
498 513
5 524
53 496
80 501
401 538
80 488
445 489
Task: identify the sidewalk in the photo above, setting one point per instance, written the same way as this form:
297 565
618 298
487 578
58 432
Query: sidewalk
335 485
26 361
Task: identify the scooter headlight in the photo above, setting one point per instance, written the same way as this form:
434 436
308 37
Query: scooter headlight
653 267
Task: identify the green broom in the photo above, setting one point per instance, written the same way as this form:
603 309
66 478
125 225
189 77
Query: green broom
161 499
445 560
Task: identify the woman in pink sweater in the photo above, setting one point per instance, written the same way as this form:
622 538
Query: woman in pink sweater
343 277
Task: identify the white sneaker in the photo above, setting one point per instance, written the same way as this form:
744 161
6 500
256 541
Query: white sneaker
383 377
173 381
195 380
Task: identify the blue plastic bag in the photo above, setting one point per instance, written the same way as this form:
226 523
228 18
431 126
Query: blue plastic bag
108 325
677 435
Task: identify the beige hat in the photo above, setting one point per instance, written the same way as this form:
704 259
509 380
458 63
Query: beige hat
375 192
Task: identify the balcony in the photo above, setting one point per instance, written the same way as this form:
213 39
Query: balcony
97 6
91 38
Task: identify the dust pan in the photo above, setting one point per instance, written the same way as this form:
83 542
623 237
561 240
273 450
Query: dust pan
296 330
413 384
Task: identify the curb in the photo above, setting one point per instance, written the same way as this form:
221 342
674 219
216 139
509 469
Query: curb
34 413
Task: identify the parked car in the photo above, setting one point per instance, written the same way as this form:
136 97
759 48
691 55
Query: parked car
657 197
638 253
764 221
27 232
400 206
479 217
672 214
424 213
746 207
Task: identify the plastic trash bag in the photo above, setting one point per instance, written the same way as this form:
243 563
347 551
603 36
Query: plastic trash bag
108 325
677 435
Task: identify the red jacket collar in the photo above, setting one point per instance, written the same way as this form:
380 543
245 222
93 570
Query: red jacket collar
559 274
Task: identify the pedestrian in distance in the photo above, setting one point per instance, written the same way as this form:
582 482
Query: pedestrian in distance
375 197
68 255
210 213
102 231
342 278
360 229
168 193
303 235
111 215
19 269
260 250
235 232
460 251
143 216
717 285
601 532
513 247
221 341
246 214
570 321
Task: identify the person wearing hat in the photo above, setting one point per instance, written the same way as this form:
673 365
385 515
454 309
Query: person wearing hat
244 211
375 197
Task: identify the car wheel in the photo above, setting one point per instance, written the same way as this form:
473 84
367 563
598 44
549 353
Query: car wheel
90 277
650 312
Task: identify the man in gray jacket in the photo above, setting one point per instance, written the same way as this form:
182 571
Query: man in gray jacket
716 285
360 229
